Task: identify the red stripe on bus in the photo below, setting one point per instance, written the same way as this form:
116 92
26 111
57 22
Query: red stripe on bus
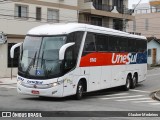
100 59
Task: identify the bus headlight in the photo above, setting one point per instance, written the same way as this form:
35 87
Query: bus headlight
19 82
56 83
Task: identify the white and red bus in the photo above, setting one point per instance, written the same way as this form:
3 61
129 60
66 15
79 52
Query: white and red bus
70 59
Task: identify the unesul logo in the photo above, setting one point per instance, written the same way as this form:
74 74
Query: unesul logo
124 58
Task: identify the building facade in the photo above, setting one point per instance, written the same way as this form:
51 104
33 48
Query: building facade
155 3
18 16
153 51
144 23
107 13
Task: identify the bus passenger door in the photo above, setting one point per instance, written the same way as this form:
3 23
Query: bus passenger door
68 84
68 65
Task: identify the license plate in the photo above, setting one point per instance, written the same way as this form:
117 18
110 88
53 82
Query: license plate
35 92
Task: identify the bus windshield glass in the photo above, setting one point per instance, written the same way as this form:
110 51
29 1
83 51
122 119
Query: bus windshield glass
40 56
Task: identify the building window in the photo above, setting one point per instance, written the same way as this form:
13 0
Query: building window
149 52
53 15
118 3
38 13
118 24
13 62
87 1
21 11
134 25
96 21
146 24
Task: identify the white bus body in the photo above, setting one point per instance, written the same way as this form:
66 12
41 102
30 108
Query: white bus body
81 68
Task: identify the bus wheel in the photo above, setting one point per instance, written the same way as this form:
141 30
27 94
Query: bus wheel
79 93
128 83
134 81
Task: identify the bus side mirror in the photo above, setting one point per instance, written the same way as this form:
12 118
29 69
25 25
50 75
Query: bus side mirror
63 49
13 48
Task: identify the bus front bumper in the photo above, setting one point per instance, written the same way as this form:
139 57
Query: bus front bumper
56 91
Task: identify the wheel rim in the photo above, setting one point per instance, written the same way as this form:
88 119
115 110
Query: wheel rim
80 90
128 83
134 81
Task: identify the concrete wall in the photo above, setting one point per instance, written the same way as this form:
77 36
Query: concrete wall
4 70
11 25
18 26
85 5
153 25
66 2
153 44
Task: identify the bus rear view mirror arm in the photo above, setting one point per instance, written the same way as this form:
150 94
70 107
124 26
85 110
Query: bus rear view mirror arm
13 48
63 49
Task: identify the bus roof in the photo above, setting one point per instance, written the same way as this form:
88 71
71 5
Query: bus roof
66 28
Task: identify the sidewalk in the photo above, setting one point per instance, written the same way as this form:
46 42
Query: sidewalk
8 81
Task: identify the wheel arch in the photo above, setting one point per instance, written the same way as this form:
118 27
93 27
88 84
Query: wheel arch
129 74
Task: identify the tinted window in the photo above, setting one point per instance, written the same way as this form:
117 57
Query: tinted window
149 52
123 44
132 45
77 38
89 43
113 43
141 45
71 53
102 42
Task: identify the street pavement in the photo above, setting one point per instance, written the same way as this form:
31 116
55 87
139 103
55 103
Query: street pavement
153 73
114 99
8 81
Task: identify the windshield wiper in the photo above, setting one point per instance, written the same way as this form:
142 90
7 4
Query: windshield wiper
30 64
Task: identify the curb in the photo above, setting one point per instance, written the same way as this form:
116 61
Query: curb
157 96
7 83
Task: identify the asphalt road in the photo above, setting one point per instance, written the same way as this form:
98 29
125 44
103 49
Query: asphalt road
114 99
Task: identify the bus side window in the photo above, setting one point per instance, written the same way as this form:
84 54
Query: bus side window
123 43
101 42
71 54
114 43
89 43
69 61
132 45
141 44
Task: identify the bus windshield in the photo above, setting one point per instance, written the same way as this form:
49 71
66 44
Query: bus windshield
40 56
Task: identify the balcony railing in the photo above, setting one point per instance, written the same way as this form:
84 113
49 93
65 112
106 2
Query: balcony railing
104 7
109 8
147 10
153 0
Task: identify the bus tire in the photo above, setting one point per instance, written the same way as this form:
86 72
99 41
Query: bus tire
128 83
134 81
79 92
